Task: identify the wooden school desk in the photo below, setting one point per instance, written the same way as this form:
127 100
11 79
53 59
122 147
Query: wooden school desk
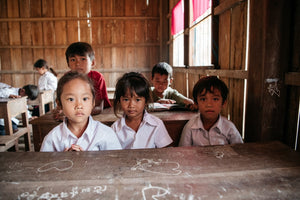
9 108
44 98
243 171
173 120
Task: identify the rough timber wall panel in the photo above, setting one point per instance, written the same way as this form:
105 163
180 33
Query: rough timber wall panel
123 33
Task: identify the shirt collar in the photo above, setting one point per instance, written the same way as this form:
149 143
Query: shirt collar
146 119
199 125
87 133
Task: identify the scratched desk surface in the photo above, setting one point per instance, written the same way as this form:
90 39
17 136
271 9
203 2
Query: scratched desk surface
244 171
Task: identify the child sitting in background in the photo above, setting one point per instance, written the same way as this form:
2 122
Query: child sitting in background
48 80
209 127
162 77
80 57
6 91
79 131
137 128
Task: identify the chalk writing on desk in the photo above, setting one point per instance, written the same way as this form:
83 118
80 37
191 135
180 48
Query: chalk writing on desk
74 193
17 167
59 165
155 192
158 167
218 151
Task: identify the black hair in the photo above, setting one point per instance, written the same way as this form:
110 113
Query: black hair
209 83
69 76
134 82
32 91
43 63
80 48
162 68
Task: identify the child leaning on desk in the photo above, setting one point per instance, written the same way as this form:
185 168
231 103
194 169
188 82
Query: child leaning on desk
162 77
78 131
137 128
7 91
80 57
209 127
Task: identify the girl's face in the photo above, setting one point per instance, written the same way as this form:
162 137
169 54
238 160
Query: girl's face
133 106
41 70
77 101
81 64
161 82
210 105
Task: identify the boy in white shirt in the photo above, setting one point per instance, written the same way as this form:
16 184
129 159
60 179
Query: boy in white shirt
209 127
78 132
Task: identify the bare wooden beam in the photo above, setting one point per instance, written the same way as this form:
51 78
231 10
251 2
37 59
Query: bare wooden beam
238 74
226 5
43 19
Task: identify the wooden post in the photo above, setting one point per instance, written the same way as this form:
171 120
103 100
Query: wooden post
268 62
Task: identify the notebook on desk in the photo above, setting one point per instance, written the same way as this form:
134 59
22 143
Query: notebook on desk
166 107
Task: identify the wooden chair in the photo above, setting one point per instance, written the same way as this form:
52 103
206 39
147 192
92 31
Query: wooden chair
44 97
10 108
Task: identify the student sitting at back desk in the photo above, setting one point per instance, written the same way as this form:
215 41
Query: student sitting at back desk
161 91
6 91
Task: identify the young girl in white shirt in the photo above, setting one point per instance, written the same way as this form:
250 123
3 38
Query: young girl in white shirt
137 128
78 132
48 79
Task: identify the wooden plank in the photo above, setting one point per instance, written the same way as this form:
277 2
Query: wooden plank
226 5
238 37
224 40
236 171
238 74
118 32
73 34
292 78
130 8
266 102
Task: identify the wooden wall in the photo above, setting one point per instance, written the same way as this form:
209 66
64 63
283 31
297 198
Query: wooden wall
125 34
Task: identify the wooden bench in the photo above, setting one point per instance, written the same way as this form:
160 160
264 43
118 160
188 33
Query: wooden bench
44 97
11 108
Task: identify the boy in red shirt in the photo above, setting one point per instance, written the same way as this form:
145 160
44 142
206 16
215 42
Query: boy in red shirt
80 57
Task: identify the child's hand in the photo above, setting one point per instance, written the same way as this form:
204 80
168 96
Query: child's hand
74 147
192 107
166 101
58 114
14 96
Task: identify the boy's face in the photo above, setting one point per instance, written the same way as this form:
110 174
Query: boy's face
161 82
81 64
210 104
77 101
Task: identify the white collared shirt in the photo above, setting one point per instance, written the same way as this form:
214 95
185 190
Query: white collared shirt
221 133
152 133
5 91
96 137
47 82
